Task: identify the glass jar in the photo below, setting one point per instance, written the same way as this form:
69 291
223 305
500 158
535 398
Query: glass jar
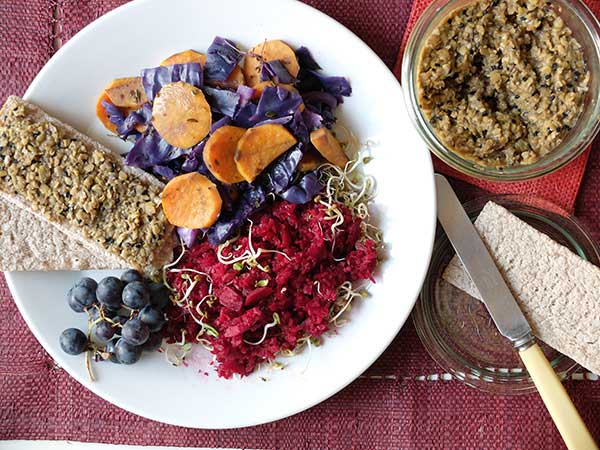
586 30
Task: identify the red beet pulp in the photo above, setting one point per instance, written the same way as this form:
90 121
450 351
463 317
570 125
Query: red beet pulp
301 289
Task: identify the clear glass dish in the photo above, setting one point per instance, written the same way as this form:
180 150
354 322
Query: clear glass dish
585 28
457 330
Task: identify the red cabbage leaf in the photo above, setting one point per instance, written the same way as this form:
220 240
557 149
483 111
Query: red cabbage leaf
222 100
304 191
276 71
306 60
155 78
221 58
151 149
140 117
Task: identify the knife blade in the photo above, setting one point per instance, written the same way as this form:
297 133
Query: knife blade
480 266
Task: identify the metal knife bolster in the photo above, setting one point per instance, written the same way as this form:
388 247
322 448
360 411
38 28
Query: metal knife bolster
480 266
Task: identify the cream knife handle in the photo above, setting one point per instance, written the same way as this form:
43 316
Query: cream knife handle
555 397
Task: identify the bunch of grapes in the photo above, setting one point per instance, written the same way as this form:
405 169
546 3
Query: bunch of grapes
125 317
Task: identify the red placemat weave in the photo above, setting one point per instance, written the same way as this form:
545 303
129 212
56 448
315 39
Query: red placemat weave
561 186
386 408
26 33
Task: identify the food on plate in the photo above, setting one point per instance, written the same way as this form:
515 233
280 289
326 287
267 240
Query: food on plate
181 114
260 87
556 289
102 114
219 154
502 83
267 52
41 246
186 56
126 92
125 317
276 241
73 341
191 201
329 147
259 147
50 169
289 106
311 160
278 286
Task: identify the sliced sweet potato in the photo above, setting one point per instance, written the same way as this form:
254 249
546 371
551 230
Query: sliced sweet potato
102 115
235 79
260 87
181 114
259 146
186 56
219 154
328 146
191 201
127 92
269 51
310 160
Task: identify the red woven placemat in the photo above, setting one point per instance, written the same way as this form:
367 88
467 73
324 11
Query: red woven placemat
386 408
26 33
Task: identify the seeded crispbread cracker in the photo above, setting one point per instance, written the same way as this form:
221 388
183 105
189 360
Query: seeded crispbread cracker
558 292
30 243
161 251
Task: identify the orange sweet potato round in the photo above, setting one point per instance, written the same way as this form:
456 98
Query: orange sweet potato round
269 51
181 114
259 146
328 146
219 154
235 79
260 87
191 201
102 115
310 160
126 92
186 56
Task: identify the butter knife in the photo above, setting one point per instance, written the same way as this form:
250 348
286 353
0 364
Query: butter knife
507 316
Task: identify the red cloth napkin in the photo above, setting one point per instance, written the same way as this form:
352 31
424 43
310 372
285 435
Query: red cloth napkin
561 187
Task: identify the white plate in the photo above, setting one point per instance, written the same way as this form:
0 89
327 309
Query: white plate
142 33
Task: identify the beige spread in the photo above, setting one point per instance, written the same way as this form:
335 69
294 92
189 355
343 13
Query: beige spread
502 82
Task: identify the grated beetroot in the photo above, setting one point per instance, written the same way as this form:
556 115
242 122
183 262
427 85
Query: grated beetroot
300 290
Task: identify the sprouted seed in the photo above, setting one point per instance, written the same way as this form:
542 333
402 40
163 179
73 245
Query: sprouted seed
346 293
276 321
352 188
183 301
172 264
177 352
249 258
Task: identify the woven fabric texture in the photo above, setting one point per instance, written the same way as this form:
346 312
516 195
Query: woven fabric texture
26 34
386 408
